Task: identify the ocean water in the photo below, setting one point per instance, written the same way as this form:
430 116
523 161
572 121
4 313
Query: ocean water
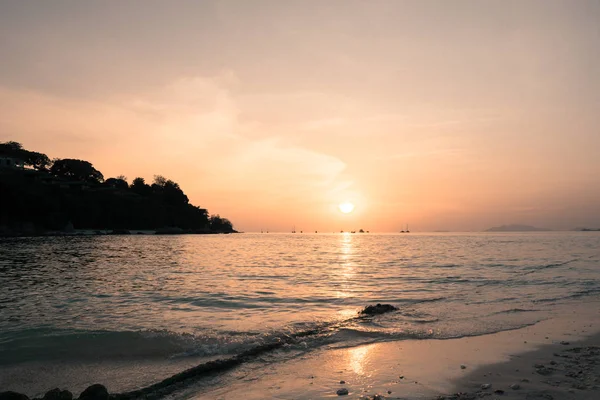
179 301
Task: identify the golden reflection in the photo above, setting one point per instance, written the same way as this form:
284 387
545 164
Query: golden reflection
346 271
358 359
347 314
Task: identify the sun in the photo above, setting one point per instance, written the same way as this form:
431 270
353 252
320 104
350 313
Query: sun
346 207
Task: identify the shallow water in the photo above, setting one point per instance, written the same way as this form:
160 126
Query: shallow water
139 299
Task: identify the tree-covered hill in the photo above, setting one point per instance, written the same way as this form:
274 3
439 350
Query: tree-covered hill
52 195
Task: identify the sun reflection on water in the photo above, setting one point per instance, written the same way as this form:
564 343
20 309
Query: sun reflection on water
358 358
346 272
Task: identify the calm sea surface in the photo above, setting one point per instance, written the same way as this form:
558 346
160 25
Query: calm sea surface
141 297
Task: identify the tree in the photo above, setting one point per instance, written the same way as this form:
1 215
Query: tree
117 183
38 161
10 148
34 159
160 180
76 169
139 186
218 224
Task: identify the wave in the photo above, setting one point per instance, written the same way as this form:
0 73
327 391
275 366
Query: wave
531 270
72 345
223 350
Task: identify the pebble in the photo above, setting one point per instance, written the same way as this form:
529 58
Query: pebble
486 386
342 392
565 343
499 391
525 380
342 382
462 366
515 386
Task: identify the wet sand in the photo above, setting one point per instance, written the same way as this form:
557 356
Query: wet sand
558 358
554 359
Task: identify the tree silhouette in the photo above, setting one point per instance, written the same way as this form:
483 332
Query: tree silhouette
34 159
48 204
77 170
117 183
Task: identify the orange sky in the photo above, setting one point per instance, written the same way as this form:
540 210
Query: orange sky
444 115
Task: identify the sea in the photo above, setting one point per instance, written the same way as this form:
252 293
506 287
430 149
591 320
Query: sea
130 311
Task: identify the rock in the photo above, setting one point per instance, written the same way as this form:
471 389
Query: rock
525 380
565 343
544 371
389 392
57 394
342 382
515 386
53 394
462 366
401 376
342 392
94 392
12 396
499 391
486 386
378 309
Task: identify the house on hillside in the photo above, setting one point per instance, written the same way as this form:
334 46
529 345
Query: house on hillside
11 162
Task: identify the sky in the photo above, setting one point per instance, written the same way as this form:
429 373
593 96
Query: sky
443 115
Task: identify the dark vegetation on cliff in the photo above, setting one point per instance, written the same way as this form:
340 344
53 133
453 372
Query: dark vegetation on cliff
57 194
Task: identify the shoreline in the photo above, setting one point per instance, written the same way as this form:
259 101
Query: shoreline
542 354
114 232
432 369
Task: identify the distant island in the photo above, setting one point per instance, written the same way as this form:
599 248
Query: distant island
42 196
587 229
516 228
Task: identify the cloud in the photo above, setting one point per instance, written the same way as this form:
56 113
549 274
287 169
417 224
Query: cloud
189 130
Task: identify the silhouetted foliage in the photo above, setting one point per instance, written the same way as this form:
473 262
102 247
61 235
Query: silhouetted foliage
71 192
33 159
117 183
220 224
77 170
139 186
10 147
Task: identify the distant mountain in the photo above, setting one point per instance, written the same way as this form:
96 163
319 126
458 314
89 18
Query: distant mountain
516 228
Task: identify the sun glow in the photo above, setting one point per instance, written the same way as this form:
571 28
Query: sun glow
346 207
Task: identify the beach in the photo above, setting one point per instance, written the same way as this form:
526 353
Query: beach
544 360
278 316
555 359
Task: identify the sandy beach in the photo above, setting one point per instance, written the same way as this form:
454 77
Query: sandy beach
558 358
554 359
